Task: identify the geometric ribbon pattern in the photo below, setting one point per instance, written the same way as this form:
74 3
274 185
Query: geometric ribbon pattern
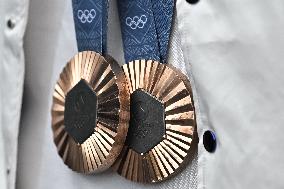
163 13
146 28
90 18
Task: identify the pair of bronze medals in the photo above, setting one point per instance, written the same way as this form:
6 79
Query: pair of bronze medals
138 119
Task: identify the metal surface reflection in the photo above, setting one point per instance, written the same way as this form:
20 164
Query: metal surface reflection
175 148
98 115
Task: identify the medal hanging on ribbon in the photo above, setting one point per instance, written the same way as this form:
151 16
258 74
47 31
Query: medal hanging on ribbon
90 111
162 132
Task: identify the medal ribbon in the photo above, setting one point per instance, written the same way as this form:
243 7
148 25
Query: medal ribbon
90 19
146 28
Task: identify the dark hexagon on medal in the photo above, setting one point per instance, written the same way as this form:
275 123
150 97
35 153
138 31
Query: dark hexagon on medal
80 111
147 125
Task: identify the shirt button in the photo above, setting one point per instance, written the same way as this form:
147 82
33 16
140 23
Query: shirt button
192 1
11 24
209 141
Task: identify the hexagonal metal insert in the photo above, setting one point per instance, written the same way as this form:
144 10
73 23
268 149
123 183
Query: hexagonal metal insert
147 122
80 111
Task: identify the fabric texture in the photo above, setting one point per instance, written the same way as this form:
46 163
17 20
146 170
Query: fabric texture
13 19
90 20
236 49
140 38
163 14
3 180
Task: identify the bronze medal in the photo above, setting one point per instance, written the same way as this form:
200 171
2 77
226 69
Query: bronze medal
162 133
90 112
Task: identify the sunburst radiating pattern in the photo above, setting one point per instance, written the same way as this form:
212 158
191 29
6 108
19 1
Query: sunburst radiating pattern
170 155
106 78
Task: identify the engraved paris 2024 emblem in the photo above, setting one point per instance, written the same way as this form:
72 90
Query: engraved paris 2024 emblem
147 126
80 112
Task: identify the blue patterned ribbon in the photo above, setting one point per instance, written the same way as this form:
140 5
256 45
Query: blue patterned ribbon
90 18
163 13
146 28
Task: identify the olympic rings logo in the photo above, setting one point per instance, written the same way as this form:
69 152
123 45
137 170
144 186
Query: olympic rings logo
136 22
86 15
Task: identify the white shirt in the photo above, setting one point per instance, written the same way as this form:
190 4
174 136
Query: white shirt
13 19
233 52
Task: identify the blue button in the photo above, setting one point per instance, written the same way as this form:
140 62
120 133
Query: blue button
209 141
192 1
